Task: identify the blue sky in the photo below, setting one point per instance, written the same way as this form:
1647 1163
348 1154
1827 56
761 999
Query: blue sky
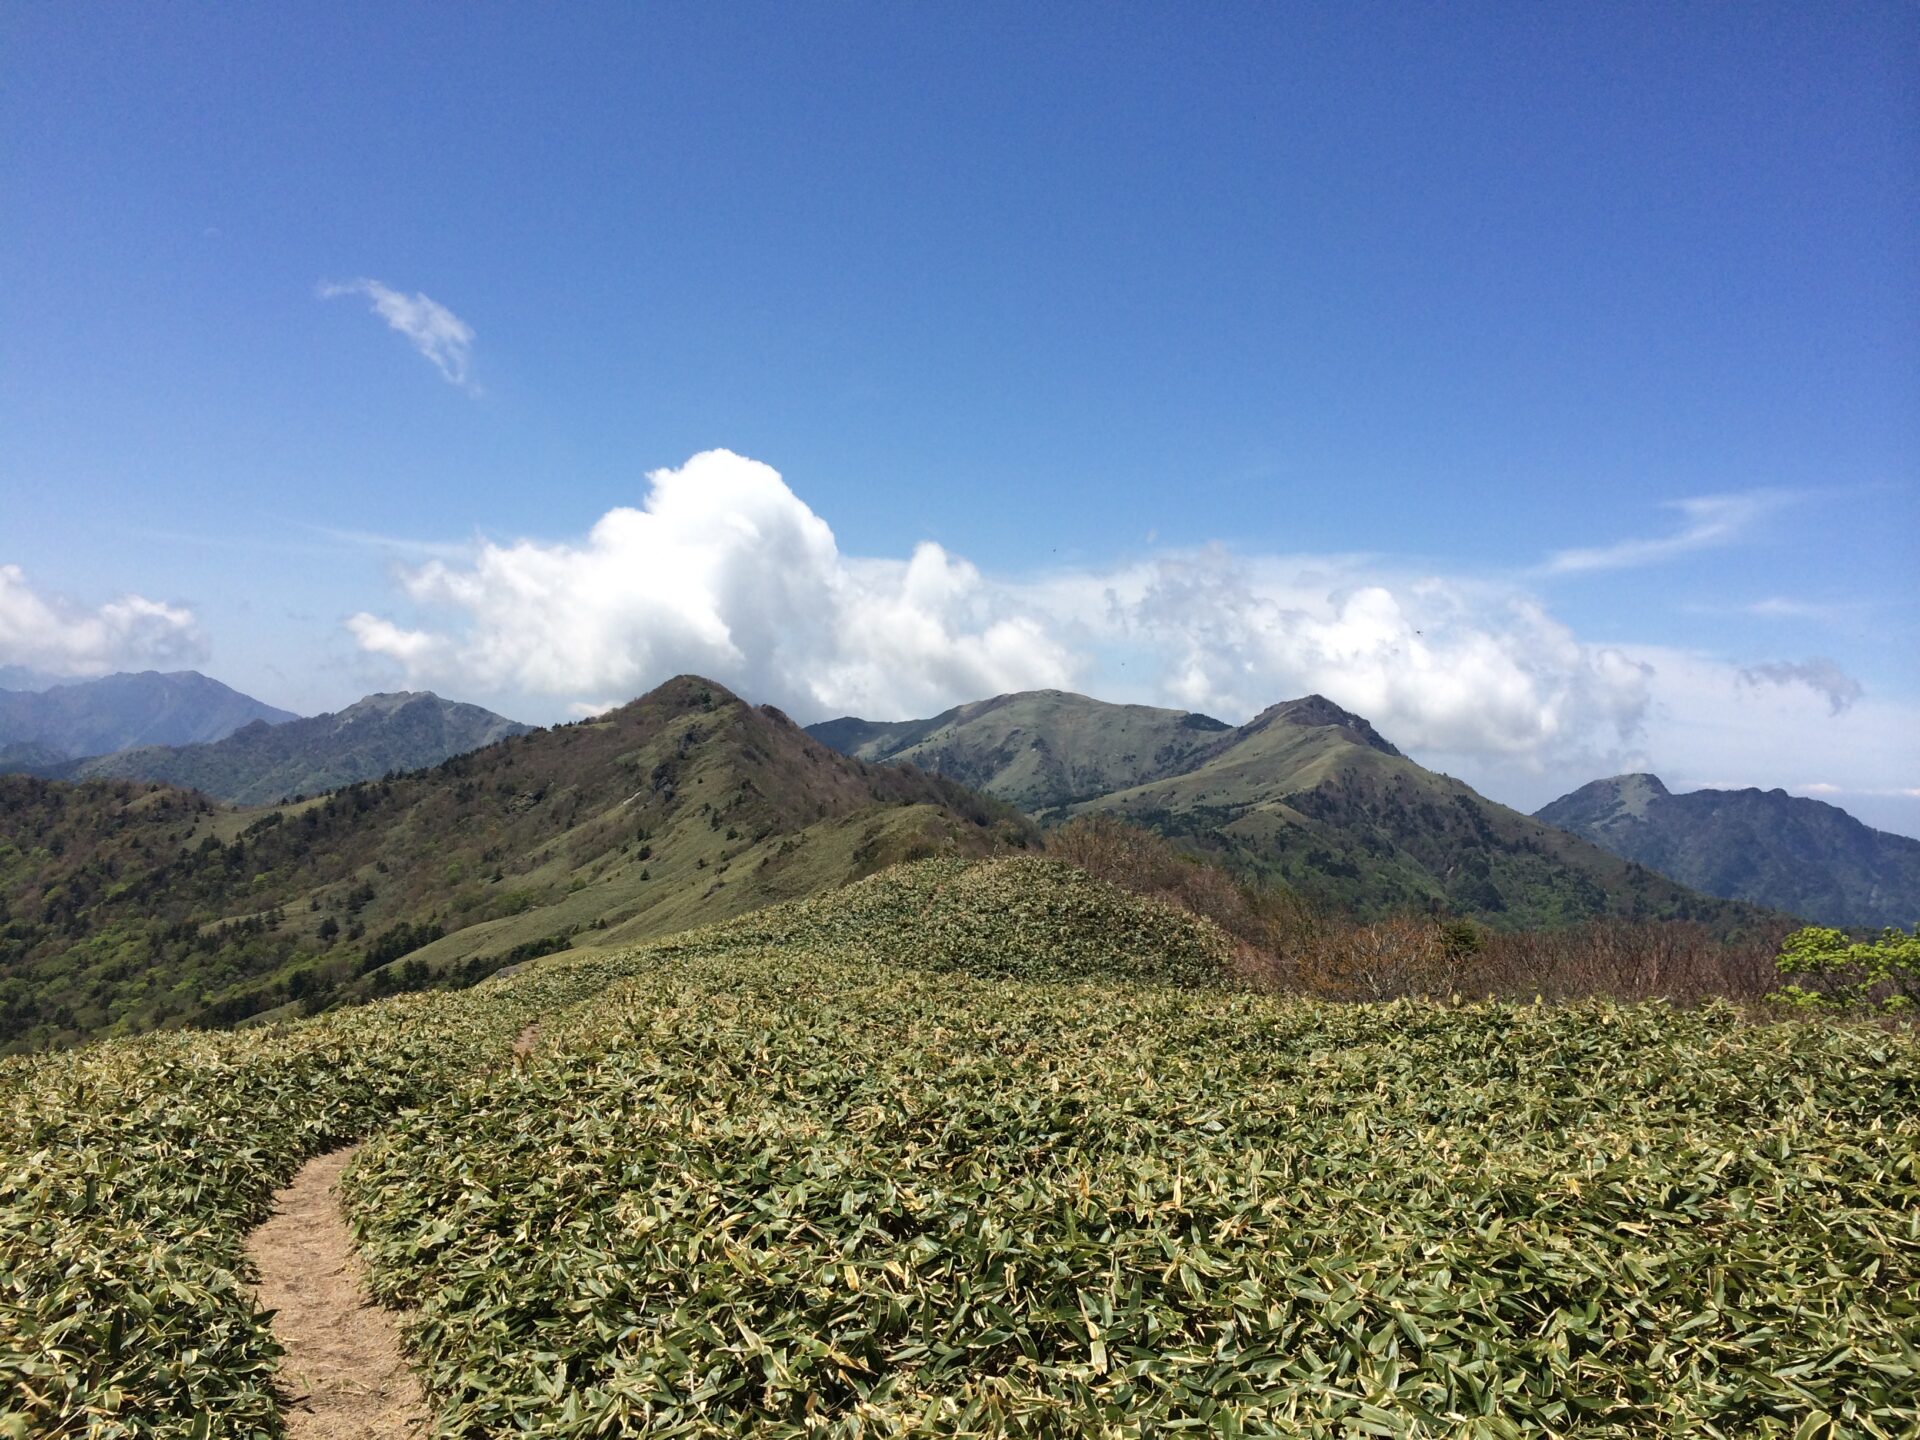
1541 380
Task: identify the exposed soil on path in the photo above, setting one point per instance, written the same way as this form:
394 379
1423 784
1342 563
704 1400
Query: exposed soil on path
344 1374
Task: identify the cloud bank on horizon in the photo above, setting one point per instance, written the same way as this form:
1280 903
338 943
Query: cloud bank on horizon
724 571
721 569
46 633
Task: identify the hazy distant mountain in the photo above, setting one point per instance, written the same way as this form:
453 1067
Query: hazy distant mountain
20 677
30 757
1803 856
1305 792
93 717
262 763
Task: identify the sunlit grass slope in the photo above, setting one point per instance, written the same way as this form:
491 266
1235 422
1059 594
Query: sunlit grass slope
986 1149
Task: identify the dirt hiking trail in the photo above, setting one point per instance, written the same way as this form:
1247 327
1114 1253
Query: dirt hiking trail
344 1375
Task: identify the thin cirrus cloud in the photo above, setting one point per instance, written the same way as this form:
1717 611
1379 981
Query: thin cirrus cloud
46 633
1706 521
441 336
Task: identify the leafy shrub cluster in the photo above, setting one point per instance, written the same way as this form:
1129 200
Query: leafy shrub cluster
1882 973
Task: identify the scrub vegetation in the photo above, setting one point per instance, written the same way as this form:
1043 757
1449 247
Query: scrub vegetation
990 1148
126 905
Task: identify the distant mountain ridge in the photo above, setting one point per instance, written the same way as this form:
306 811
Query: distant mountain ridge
261 764
1037 750
1306 792
1790 852
128 904
95 717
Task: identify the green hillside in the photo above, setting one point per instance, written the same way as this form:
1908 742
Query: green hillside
125 904
1039 750
1794 853
984 1150
262 764
1305 793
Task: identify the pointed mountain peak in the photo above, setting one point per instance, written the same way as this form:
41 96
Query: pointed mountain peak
1317 710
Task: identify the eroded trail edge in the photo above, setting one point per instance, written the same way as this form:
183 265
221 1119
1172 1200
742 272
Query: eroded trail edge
344 1374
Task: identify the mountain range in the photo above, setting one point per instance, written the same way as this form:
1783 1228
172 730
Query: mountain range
260 763
1305 793
126 904
93 717
1790 852
453 841
235 748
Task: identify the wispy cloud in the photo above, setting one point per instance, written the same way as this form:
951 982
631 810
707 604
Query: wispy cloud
1821 787
430 327
1706 521
1788 610
397 545
1819 675
1780 607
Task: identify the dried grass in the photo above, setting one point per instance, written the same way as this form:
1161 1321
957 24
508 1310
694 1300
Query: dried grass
1284 942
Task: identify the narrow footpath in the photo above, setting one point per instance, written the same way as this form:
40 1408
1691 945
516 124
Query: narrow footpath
344 1375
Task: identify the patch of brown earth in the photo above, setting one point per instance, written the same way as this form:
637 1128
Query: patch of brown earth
344 1375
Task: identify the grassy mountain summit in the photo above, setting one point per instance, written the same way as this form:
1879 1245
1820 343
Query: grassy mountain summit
126 904
1041 750
1796 854
260 764
93 717
1305 792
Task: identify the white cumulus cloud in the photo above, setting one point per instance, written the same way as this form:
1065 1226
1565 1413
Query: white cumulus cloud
724 571
430 327
1437 663
45 633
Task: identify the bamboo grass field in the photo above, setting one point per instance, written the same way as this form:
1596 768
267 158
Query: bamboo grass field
989 1149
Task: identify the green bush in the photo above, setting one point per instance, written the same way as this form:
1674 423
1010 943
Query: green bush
1881 974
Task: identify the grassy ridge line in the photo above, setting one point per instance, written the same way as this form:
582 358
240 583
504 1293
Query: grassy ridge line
1013 918
131 1171
774 1192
